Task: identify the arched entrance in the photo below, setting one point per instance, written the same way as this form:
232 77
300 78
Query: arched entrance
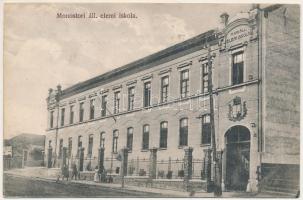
237 141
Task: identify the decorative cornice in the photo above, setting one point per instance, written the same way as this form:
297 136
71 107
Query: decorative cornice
92 95
185 64
147 77
104 91
72 101
81 98
131 82
117 87
164 71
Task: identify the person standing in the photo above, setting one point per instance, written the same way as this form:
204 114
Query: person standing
74 171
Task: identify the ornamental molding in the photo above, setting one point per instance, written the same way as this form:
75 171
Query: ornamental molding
237 109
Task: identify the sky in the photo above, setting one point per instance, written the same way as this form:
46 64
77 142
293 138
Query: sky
42 51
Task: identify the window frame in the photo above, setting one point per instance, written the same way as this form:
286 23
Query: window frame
51 121
163 135
103 105
147 94
164 89
183 132
205 129
70 146
184 90
62 119
117 99
145 136
130 138
204 78
81 111
131 98
92 109
71 114
237 80
102 139
90 145
115 141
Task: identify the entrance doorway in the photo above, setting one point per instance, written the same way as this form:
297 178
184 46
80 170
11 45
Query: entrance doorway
237 158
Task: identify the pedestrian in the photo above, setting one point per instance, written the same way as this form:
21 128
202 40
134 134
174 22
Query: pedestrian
74 171
96 176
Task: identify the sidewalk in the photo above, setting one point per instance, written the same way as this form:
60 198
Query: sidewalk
42 174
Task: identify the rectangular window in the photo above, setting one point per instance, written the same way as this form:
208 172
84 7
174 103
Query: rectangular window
62 116
115 141
71 114
184 83
51 119
117 102
60 148
145 138
183 140
164 89
81 112
90 146
92 109
163 135
206 132
237 68
102 139
129 142
147 94
205 78
131 98
70 146
79 145
103 106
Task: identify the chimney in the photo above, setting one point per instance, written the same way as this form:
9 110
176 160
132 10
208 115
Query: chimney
224 18
59 88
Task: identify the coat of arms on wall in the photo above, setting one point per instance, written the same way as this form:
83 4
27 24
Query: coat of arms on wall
237 109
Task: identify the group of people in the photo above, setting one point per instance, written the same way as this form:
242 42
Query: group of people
99 176
65 172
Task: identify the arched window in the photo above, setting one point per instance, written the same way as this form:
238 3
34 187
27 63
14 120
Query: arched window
145 137
115 141
102 139
129 141
163 134
183 135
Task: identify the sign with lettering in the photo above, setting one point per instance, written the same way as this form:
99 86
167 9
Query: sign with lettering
237 35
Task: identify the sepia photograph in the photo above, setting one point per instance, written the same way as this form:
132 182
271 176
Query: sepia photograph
151 100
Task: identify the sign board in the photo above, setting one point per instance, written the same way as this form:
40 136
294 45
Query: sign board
238 35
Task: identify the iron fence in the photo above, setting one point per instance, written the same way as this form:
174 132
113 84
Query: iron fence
138 167
170 169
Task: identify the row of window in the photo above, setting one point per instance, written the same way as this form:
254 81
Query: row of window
237 78
183 137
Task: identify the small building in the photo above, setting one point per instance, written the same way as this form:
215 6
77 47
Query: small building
24 150
159 105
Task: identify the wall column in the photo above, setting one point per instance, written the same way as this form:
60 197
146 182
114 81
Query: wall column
153 163
188 161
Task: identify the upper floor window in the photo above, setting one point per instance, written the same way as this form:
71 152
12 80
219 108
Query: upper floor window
49 144
129 142
103 106
61 148
71 114
183 137
90 145
92 109
62 116
163 134
115 141
51 119
206 133
147 94
237 68
131 98
184 83
164 89
145 137
102 139
81 112
70 146
204 78
117 99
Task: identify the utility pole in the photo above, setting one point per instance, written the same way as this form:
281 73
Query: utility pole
217 182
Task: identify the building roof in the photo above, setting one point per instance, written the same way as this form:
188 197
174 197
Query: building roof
27 139
170 53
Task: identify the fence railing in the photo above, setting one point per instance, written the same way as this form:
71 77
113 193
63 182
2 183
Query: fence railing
138 167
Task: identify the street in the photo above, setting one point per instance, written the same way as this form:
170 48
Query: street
17 186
